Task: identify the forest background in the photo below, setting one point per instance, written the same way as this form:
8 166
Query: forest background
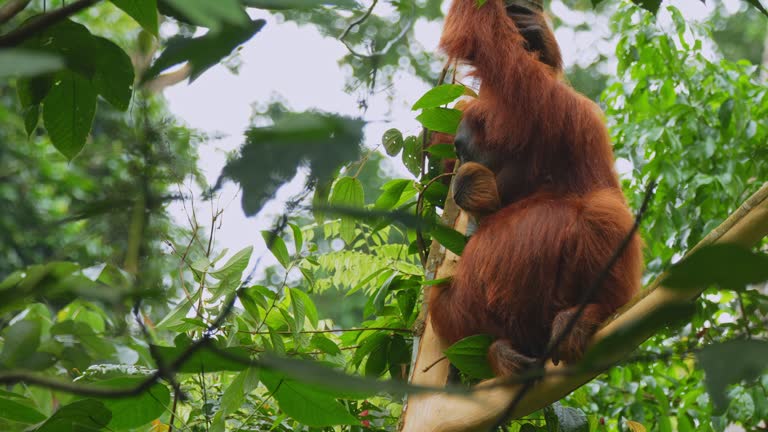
212 210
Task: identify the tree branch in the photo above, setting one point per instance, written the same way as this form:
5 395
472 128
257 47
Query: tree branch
42 22
11 9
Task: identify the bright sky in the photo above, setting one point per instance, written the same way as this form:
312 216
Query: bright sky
298 65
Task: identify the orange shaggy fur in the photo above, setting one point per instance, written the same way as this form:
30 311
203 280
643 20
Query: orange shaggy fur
558 214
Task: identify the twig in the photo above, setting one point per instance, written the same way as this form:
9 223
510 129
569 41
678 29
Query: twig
586 298
358 21
42 22
173 410
426 369
389 44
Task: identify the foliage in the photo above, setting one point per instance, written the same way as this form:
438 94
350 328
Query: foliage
113 318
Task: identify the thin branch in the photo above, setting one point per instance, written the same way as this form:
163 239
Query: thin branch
586 298
397 330
11 9
389 44
42 22
426 369
358 21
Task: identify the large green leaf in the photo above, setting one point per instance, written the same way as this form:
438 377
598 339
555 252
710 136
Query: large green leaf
135 411
470 355
21 341
300 300
143 11
412 152
277 246
204 51
730 363
87 415
204 359
68 112
299 4
439 95
347 193
114 75
238 389
453 240
235 266
392 140
272 155
216 15
651 6
23 62
440 119
17 412
725 265
304 403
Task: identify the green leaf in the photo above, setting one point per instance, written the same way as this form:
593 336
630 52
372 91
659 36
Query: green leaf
17 412
470 355
392 141
220 14
651 6
87 415
442 151
304 403
376 364
20 342
114 75
669 316
730 363
299 4
347 193
23 62
273 155
324 344
277 246
143 11
31 118
570 419
440 119
252 299
398 357
725 113
439 95
451 239
393 191
235 394
298 237
135 411
759 6
725 265
301 300
178 313
204 359
412 155
68 112
235 266
205 51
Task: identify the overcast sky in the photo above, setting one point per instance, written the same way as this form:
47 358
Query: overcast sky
299 66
